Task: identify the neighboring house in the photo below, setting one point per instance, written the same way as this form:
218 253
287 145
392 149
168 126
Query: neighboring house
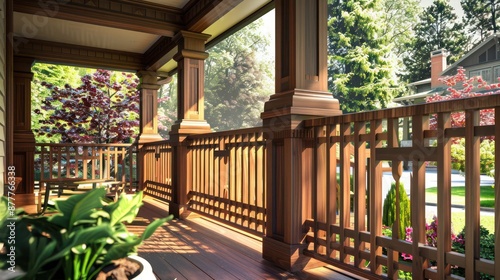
482 60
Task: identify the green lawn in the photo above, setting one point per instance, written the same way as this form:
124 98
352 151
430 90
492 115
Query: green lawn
487 197
458 222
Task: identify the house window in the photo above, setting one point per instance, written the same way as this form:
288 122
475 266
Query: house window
484 73
496 74
492 53
482 57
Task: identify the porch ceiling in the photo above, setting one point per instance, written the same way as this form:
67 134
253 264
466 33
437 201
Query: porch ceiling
140 31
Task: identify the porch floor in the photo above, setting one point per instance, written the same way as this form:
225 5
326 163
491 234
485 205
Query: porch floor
200 248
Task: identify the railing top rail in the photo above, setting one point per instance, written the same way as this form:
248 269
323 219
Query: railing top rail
157 143
472 103
229 133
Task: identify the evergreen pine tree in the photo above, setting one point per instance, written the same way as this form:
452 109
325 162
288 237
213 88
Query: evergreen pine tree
438 28
361 73
481 17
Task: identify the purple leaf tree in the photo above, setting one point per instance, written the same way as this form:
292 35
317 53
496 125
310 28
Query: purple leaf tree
103 109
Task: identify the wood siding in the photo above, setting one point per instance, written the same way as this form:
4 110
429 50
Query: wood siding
3 101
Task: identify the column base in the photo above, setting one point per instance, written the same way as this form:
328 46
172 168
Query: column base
186 127
311 104
24 160
147 138
180 211
286 256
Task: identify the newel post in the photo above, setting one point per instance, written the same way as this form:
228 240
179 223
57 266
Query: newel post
190 59
301 93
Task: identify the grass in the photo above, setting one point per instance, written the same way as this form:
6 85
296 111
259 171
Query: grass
487 199
458 222
487 196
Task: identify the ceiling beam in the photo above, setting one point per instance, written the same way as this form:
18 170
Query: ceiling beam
67 54
135 16
200 14
159 53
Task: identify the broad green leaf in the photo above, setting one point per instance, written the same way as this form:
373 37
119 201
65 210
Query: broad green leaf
125 209
77 207
93 235
120 251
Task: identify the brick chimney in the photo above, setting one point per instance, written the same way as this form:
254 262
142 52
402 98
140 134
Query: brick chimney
438 64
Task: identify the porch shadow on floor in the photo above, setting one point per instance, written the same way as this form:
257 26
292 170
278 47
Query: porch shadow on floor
201 248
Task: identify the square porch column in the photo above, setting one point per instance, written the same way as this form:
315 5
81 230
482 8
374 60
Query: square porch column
301 93
23 137
190 59
148 124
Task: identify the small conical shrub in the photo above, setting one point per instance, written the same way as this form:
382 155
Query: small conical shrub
389 210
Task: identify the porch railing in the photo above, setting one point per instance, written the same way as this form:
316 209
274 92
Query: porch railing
158 170
350 236
228 181
229 176
86 161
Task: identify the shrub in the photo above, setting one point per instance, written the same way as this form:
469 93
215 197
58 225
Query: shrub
487 155
389 209
487 251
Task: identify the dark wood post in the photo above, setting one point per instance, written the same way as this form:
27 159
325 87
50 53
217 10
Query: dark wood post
190 112
148 90
23 137
301 93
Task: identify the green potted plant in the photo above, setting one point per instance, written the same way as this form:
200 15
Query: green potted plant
85 235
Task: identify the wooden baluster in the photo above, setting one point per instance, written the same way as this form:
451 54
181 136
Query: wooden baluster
472 204
417 194
397 169
497 192
345 190
375 196
359 190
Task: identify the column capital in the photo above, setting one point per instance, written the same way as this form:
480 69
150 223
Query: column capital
23 64
148 80
191 40
190 45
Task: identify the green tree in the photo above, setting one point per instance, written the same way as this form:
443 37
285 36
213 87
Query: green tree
167 107
361 73
238 79
57 75
102 109
398 20
481 16
438 28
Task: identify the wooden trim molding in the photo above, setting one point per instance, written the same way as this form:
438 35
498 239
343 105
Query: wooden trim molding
159 53
200 14
77 55
131 15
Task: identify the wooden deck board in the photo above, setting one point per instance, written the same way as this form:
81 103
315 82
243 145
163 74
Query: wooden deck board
200 248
